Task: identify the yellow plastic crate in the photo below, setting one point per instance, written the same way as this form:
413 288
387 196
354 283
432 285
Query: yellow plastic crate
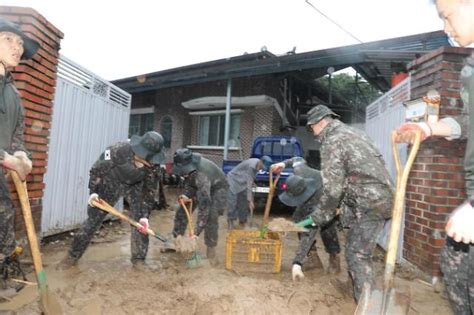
247 251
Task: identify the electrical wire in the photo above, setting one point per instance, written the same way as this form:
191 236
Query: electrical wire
334 22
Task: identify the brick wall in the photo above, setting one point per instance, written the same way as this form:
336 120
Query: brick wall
36 81
436 183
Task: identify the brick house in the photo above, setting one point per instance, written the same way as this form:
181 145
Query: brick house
187 104
435 186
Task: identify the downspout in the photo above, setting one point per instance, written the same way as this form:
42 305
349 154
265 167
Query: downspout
228 105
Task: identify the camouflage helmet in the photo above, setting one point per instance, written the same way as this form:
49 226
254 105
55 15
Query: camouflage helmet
317 113
300 189
149 147
30 46
185 161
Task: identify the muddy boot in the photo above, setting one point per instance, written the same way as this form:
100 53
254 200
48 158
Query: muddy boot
334 263
230 224
211 255
66 263
312 261
343 287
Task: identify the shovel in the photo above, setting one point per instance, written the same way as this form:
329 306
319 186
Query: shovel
389 300
49 304
103 205
272 185
195 259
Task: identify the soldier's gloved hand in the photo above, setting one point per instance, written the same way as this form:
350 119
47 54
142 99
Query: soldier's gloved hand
296 273
93 197
461 223
143 226
183 198
277 167
19 163
405 131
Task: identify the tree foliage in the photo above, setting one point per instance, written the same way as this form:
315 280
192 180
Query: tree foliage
357 92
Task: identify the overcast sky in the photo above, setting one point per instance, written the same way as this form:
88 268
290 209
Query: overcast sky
117 39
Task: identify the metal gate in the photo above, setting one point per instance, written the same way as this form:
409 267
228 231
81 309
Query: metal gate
382 117
88 115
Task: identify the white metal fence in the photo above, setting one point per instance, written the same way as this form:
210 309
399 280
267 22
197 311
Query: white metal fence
89 114
382 117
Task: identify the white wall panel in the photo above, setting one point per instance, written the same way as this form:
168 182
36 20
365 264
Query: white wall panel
88 115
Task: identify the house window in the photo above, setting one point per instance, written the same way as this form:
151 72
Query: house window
140 123
212 128
166 130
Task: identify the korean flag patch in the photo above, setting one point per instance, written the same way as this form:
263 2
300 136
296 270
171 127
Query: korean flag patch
107 155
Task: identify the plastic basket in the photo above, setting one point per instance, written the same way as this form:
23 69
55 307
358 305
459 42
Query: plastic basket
247 251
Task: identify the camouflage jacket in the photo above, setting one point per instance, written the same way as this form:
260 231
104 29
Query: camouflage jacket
201 185
12 124
460 124
116 166
354 175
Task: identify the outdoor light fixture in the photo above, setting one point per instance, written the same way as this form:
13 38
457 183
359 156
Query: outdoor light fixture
423 109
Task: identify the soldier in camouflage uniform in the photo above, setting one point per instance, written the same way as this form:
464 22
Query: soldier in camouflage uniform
126 169
240 195
307 251
457 255
357 181
14 46
206 183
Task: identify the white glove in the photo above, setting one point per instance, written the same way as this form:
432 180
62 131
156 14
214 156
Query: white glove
143 226
461 224
296 273
18 162
405 130
277 167
93 197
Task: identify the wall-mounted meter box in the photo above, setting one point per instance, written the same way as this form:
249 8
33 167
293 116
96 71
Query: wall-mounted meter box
425 109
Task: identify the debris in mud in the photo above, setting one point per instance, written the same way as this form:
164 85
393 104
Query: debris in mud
284 225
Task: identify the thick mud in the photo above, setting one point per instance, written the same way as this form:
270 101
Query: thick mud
104 281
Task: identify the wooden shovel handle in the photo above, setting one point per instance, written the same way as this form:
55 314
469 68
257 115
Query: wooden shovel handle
272 185
188 215
29 223
397 213
103 205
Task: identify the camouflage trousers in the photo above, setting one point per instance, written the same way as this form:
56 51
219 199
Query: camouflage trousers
457 264
360 245
308 242
139 208
7 219
237 206
211 227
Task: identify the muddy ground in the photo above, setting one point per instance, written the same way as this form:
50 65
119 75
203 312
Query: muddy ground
104 281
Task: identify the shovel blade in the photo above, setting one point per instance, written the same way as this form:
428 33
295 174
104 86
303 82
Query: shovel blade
371 302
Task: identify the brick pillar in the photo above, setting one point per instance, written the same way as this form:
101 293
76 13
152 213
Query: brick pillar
36 82
436 183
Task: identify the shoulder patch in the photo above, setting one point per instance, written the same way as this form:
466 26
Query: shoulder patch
107 156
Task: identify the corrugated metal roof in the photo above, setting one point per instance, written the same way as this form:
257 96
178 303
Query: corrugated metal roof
376 61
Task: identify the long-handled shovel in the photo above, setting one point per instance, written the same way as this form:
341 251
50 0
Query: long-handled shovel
389 301
195 259
49 304
268 205
103 205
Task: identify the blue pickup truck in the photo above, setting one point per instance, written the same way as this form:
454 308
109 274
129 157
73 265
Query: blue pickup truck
279 148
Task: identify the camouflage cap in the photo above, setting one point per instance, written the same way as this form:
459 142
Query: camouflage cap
30 46
319 112
149 147
299 190
185 161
